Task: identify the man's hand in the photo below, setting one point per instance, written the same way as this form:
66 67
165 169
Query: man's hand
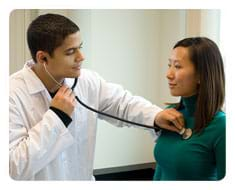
64 100
170 119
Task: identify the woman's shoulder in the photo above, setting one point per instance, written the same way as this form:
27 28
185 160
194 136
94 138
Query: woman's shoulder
219 120
220 116
217 128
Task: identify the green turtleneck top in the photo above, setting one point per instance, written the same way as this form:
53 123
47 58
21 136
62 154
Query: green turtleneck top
202 157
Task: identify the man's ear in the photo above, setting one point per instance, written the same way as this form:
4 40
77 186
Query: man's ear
41 57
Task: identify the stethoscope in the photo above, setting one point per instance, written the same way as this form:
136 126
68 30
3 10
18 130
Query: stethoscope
186 133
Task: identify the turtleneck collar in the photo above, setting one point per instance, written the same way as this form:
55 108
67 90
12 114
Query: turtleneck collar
189 104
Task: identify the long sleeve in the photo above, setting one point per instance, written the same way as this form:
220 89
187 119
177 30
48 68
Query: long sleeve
31 149
219 148
157 173
116 101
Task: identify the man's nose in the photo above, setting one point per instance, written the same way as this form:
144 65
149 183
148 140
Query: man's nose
79 56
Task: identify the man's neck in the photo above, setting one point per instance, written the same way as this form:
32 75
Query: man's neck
50 85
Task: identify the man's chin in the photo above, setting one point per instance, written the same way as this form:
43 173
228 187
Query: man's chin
74 75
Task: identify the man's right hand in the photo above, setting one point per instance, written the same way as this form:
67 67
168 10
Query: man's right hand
64 100
170 119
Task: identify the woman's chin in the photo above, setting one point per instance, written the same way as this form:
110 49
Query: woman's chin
174 93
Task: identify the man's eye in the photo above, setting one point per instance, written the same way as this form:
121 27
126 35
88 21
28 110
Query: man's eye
69 52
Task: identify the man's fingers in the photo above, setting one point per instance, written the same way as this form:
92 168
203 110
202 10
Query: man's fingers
170 119
176 118
170 127
65 91
68 92
62 89
64 100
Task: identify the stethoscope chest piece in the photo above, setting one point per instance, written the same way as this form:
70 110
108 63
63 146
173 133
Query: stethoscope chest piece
187 133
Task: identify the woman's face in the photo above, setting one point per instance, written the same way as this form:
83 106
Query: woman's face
182 78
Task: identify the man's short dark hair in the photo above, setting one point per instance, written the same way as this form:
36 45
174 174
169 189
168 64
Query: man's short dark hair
47 32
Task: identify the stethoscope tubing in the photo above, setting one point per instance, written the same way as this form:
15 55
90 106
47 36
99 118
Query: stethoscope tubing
117 118
155 127
185 133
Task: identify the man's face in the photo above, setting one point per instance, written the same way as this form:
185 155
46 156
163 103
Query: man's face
67 58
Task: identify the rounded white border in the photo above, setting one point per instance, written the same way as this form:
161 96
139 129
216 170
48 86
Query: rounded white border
8 6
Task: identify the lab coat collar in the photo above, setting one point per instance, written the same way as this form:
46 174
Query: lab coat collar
33 83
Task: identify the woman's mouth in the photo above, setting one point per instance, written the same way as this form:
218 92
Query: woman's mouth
171 85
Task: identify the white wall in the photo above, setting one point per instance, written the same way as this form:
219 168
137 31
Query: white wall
130 47
203 23
123 47
19 21
172 28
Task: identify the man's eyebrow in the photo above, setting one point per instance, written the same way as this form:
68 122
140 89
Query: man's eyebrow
72 48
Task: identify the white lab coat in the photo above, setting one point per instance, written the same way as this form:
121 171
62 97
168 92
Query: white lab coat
41 147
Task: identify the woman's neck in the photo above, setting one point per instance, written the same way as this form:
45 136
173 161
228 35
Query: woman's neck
189 104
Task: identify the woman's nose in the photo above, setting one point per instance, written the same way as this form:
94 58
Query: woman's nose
170 74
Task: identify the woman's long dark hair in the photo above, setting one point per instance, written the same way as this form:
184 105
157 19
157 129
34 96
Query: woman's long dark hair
207 59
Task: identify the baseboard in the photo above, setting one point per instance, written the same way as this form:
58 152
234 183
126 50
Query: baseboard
132 172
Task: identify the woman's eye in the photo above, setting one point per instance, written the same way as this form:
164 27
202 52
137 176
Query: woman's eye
177 66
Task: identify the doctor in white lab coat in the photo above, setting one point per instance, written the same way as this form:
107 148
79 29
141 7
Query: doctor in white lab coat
51 136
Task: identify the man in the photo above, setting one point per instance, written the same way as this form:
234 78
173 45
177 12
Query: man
51 136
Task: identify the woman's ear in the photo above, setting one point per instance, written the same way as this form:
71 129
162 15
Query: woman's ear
198 79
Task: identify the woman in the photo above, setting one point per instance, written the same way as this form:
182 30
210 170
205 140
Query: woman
196 74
